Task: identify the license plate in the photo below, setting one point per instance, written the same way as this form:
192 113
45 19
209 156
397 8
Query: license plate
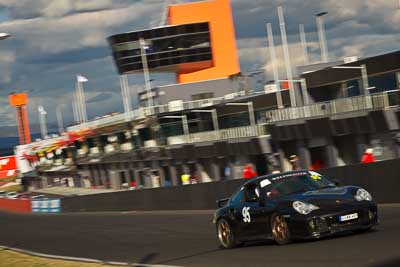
348 217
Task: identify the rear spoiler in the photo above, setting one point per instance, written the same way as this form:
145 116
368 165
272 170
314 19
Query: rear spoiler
222 202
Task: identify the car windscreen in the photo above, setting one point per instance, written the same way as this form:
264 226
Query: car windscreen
294 183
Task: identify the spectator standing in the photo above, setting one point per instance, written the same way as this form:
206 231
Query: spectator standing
317 165
193 178
368 156
185 178
132 185
295 162
248 172
227 172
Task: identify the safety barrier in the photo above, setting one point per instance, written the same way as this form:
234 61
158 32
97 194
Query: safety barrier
380 178
15 205
28 205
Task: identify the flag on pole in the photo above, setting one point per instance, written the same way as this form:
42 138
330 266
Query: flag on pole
81 79
42 111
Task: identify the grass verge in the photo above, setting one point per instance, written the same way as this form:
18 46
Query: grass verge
10 258
12 188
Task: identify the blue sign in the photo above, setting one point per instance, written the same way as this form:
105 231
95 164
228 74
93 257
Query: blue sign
46 205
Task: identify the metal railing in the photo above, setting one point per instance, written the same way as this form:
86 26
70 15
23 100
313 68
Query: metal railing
224 134
376 101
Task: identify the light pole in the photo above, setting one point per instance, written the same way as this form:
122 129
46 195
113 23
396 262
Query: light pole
80 95
272 52
251 110
184 122
321 36
213 114
364 75
146 74
42 122
286 55
304 44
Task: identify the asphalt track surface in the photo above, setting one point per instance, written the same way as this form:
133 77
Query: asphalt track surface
188 239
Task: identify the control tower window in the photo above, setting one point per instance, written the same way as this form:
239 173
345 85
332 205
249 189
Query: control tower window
202 96
165 48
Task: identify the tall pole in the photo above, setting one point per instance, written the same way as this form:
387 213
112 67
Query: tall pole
82 101
185 125
322 37
304 44
306 97
251 113
215 119
272 53
42 122
78 103
286 55
146 74
60 121
164 13
364 75
74 107
126 96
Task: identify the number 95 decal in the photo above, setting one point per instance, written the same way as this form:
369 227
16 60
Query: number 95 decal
246 214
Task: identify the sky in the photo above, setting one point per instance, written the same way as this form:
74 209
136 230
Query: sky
54 40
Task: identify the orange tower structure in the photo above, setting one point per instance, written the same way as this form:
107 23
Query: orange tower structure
19 101
218 14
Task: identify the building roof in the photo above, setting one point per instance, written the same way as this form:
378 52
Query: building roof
375 65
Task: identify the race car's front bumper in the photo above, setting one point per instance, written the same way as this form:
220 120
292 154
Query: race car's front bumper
323 225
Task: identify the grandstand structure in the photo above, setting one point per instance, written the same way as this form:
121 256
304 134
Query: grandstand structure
212 123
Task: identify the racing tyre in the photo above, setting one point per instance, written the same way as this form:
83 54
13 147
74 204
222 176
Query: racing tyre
225 234
280 230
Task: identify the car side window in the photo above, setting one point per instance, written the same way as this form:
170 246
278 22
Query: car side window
238 197
250 193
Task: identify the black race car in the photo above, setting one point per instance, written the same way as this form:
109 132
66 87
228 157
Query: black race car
292 205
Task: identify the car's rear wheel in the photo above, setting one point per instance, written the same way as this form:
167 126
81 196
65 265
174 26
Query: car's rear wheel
280 230
225 234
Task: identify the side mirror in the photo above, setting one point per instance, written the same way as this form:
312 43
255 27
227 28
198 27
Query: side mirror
222 202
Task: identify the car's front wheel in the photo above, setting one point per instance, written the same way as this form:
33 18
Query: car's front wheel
280 230
225 234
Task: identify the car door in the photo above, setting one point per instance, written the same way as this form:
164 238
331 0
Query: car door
251 217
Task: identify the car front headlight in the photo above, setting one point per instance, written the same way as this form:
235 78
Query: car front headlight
304 208
362 194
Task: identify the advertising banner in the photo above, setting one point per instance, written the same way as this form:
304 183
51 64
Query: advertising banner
8 174
8 163
8 167
46 205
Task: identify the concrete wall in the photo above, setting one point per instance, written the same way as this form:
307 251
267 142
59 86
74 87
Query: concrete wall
380 178
184 92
